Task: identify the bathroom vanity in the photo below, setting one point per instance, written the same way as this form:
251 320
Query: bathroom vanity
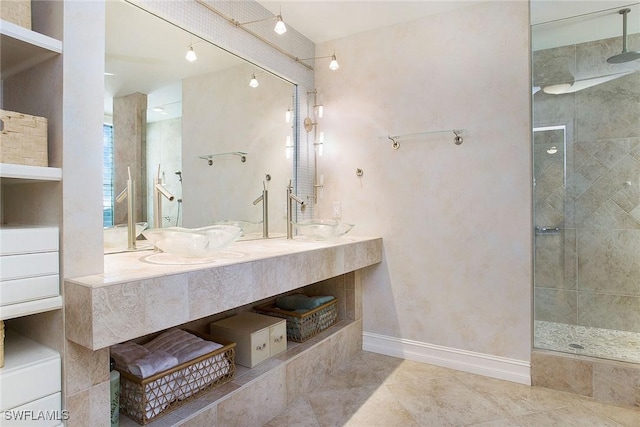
136 296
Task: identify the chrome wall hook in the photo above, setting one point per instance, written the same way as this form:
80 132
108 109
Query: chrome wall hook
394 142
457 139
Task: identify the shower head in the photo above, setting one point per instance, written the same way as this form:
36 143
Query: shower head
625 56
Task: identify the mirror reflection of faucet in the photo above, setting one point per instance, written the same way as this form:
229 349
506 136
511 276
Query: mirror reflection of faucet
129 193
159 191
291 198
264 198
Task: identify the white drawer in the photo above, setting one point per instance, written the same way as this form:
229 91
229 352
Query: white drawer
44 412
23 239
28 265
257 336
31 371
21 290
278 337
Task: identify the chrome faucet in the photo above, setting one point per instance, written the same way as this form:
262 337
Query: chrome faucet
290 198
159 190
129 193
264 198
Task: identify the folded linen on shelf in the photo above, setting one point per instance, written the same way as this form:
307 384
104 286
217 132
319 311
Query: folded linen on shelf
182 345
126 353
295 302
152 363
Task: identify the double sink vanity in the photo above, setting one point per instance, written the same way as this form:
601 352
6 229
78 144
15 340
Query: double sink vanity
135 297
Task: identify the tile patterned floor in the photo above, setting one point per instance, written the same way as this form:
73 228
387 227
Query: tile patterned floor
604 343
376 390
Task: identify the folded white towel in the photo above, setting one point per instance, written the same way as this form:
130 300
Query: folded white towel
152 363
126 353
182 345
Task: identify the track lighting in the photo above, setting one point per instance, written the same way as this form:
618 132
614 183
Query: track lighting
191 55
254 82
280 27
333 65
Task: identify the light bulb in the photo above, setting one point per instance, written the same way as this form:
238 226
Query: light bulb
280 28
320 111
254 81
287 116
191 55
333 65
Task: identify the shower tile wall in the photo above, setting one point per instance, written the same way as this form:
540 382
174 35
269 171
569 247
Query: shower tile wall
589 273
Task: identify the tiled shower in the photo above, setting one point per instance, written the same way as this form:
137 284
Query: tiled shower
586 150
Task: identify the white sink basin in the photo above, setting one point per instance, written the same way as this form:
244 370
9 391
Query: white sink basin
322 229
116 237
193 242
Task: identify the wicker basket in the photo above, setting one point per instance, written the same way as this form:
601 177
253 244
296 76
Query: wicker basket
302 326
17 12
23 139
144 400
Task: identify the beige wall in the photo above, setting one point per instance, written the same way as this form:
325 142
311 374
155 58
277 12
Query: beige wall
455 220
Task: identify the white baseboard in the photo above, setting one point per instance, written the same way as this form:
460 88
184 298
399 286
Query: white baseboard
518 371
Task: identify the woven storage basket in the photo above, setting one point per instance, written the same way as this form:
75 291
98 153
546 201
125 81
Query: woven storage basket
302 326
17 12
144 400
23 139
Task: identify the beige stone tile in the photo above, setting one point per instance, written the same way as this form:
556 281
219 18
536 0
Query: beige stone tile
298 413
256 404
361 406
625 416
572 416
346 344
308 370
562 373
78 310
517 399
607 311
206 418
616 383
444 401
166 302
85 368
556 305
90 407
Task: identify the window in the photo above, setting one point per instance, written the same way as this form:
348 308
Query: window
107 176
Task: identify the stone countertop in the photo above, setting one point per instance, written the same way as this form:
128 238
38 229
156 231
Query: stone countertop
135 296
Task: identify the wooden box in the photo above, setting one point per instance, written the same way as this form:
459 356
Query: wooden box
23 139
258 337
17 12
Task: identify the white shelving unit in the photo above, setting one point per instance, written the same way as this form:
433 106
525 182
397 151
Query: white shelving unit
31 378
23 48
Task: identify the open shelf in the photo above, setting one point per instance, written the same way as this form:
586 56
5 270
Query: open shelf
20 174
30 307
23 48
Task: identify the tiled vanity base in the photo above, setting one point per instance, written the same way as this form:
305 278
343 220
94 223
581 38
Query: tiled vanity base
257 395
609 381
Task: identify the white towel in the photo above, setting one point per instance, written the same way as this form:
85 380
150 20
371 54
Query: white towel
126 353
182 345
152 363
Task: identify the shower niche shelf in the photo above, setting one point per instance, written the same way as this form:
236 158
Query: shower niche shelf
395 139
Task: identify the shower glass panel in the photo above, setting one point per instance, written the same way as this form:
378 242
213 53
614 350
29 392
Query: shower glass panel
586 146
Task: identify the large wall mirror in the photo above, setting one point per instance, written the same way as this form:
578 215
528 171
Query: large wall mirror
214 141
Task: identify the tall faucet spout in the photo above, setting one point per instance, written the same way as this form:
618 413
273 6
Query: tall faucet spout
264 198
291 198
129 194
159 191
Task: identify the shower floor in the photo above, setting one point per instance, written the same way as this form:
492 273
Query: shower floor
587 341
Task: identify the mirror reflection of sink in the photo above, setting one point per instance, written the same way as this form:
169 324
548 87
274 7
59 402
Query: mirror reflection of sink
322 229
202 242
247 227
116 237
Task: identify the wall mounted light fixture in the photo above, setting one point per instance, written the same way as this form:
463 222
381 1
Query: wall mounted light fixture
333 65
280 27
191 54
254 82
